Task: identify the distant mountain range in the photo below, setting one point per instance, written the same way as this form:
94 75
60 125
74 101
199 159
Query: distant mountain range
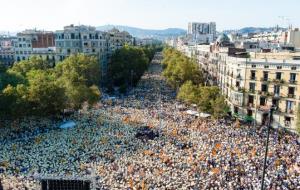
146 33
248 30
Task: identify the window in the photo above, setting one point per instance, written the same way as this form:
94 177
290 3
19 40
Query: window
266 75
264 88
294 68
287 121
266 66
278 76
277 90
252 75
262 101
275 102
279 67
250 99
289 106
253 66
252 86
291 90
292 77
72 36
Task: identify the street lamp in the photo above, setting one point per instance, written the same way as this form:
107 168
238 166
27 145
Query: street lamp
267 145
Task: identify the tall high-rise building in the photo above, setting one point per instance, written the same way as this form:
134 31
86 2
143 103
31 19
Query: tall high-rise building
202 32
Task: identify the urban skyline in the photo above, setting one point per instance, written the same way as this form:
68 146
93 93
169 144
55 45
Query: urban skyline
151 15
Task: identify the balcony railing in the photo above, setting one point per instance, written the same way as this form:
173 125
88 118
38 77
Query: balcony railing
293 82
291 95
282 81
276 95
252 78
290 111
264 79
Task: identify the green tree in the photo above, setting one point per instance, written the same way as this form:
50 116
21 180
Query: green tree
189 93
208 96
179 68
220 108
298 121
34 63
79 76
44 95
127 66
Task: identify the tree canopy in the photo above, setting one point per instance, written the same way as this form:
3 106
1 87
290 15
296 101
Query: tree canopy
180 68
184 73
32 87
128 64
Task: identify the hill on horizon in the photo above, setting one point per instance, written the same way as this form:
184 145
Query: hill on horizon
247 30
146 33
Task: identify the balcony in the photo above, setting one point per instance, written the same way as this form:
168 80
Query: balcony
281 81
290 111
264 93
264 79
251 91
276 95
252 78
291 95
292 82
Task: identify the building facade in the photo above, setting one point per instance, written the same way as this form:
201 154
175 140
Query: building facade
6 50
203 32
251 86
34 43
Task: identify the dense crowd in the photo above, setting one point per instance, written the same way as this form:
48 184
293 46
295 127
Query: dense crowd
189 153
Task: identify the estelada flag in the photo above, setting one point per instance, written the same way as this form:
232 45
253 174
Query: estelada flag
215 170
218 146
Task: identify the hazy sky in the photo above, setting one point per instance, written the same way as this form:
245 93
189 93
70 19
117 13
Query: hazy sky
16 15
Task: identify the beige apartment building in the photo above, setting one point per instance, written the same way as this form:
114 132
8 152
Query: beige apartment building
251 86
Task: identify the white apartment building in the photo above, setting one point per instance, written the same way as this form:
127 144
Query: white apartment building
81 39
86 39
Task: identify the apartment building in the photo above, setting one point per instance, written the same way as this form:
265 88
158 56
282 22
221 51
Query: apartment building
34 43
82 39
251 86
6 50
118 39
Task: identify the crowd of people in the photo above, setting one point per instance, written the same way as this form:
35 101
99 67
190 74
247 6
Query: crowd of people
189 152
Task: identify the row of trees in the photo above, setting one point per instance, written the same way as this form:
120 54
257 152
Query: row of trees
179 68
184 74
207 98
128 65
32 87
